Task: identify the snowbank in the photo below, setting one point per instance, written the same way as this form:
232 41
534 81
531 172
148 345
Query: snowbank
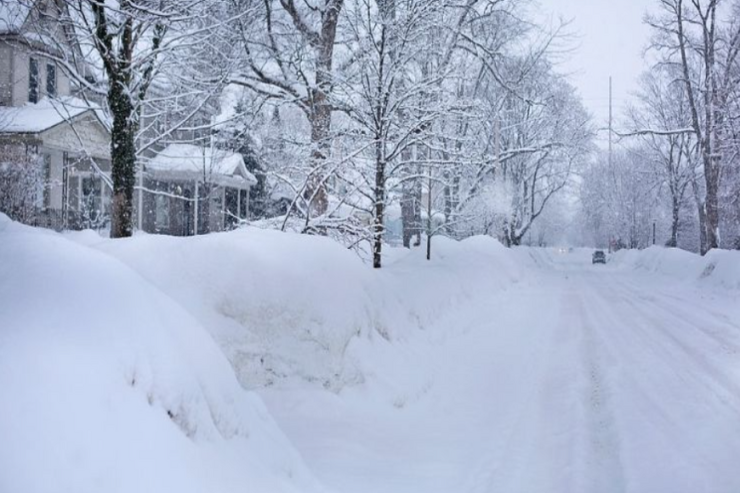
718 269
112 378
287 307
109 385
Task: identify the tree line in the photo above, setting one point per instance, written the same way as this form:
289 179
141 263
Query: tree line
678 171
362 119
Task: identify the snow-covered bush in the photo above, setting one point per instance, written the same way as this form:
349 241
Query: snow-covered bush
21 180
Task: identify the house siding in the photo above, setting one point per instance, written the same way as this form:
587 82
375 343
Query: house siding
19 76
17 58
87 128
60 139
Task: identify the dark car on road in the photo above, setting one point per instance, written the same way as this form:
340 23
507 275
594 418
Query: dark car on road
599 257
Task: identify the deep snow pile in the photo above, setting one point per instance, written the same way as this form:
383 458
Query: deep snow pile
718 268
112 379
109 385
286 308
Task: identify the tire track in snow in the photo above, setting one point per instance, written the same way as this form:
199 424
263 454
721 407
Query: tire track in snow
668 396
692 357
601 467
726 333
509 465
535 446
560 434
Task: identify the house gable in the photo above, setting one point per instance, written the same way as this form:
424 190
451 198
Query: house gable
28 33
83 133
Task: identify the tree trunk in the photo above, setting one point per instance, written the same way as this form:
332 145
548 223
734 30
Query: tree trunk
411 211
711 204
452 198
123 162
417 207
675 209
430 232
702 216
407 215
378 227
321 108
705 131
315 193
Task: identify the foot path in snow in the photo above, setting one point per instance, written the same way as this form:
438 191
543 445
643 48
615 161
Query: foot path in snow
585 379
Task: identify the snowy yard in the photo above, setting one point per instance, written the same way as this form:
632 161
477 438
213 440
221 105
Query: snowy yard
486 370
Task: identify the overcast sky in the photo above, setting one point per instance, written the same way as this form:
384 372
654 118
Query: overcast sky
611 39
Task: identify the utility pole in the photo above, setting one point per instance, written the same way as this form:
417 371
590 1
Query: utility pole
497 142
653 231
429 214
610 122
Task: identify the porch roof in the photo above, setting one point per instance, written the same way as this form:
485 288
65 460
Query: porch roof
187 162
194 176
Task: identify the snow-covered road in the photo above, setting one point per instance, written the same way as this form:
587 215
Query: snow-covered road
582 379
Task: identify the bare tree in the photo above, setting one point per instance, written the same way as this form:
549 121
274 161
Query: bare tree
662 113
389 97
689 34
619 200
133 57
289 54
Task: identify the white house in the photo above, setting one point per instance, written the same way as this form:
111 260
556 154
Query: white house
38 112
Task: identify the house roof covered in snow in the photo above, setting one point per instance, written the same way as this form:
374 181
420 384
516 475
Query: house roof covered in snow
196 162
41 116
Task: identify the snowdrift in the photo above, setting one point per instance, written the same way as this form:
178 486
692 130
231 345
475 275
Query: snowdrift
119 357
286 307
109 385
718 269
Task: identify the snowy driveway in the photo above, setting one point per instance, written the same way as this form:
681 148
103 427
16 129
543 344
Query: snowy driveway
583 379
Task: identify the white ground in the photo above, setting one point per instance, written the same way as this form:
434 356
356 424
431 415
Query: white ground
486 370
585 379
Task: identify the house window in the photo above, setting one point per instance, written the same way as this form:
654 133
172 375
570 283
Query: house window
51 80
33 81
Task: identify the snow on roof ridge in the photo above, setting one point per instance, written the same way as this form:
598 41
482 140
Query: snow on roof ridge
191 158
